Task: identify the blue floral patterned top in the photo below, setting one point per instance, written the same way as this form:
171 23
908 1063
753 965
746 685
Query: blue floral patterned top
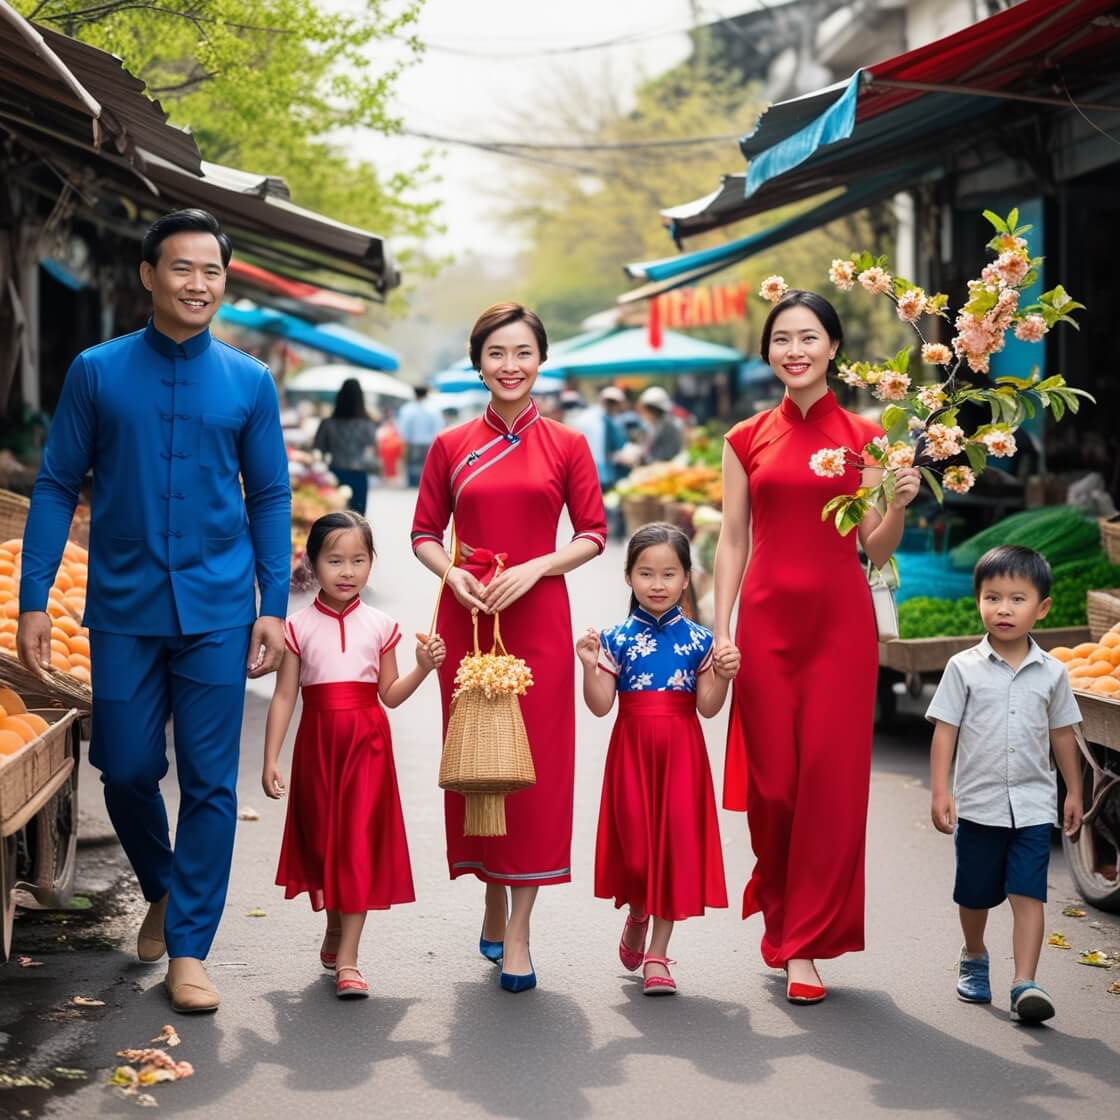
654 654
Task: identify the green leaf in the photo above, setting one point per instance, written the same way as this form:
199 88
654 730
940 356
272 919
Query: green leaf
1012 218
977 456
892 414
902 360
887 487
933 484
1057 405
996 220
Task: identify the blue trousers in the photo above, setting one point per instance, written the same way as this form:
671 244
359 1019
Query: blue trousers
198 681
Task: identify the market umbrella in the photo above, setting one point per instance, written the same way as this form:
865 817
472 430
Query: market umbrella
627 351
325 381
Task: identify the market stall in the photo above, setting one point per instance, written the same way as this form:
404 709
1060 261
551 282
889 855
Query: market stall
315 491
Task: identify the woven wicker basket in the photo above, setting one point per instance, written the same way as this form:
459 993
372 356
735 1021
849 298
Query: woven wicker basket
13 518
1110 537
1103 609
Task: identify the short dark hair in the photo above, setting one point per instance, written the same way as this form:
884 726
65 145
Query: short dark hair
184 221
501 315
818 305
1013 560
420 391
648 536
341 520
350 401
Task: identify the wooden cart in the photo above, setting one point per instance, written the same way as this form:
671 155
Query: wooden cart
39 820
913 659
1094 854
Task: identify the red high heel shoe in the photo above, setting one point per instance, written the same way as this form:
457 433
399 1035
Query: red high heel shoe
658 985
632 958
804 993
351 989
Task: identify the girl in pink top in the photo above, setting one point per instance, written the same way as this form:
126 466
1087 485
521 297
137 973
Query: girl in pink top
344 839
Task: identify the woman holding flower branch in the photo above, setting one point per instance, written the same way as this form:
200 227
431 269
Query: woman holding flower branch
799 742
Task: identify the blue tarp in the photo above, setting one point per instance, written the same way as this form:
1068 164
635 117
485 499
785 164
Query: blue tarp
627 351
340 342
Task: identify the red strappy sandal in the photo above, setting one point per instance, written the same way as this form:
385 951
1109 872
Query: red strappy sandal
351 989
328 960
658 985
632 958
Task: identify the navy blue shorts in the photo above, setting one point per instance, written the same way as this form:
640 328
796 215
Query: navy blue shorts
993 862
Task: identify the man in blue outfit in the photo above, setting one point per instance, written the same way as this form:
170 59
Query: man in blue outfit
171 421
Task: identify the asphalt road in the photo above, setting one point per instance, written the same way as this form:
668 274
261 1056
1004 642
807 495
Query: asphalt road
439 1038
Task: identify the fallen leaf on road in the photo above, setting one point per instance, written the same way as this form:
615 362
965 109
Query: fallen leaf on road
27 962
85 1001
146 1100
256 912
69 1074
1095 958
248 814
1114 988
24 1081
1073 912
1058 941
125 1077
169 1035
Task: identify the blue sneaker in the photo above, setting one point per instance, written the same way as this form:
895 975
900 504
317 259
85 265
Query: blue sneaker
1030 1003
973 984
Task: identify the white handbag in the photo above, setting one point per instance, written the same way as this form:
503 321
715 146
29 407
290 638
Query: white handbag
883 586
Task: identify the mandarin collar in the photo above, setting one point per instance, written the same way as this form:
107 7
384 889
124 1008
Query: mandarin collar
348 609
523 419
817 410
669 617
1034 652
190 348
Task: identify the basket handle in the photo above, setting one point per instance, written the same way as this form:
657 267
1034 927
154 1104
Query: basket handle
443 579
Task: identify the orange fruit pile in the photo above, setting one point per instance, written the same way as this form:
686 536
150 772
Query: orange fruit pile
67 602
18 726
1094 666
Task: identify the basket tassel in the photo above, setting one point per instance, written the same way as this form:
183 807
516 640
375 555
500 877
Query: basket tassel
485 814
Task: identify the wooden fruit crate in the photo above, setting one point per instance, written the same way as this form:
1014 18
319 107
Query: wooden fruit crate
1100 719
31 777
931 655
1103 610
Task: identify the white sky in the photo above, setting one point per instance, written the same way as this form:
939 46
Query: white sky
456 94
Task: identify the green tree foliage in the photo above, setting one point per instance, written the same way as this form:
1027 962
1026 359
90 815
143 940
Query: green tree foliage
592 211
269 86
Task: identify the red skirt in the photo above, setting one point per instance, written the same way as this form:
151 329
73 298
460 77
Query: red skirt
658 847
344 839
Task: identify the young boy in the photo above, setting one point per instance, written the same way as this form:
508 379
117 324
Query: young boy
1004 704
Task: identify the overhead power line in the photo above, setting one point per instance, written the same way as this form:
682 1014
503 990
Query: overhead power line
537 146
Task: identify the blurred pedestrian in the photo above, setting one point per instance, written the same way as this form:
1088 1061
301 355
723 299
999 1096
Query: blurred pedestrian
419 425
349 437
666 438
605 435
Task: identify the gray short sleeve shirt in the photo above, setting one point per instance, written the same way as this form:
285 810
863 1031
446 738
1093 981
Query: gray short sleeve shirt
1004 716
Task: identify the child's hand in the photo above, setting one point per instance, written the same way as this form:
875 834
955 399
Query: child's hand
587 648
726 662
272 781
943 812
1072 813
430 652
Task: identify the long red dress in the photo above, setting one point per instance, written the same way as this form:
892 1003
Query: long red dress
799 740
507 485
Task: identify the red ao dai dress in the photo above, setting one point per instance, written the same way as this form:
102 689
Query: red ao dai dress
799 738
344 838
507 486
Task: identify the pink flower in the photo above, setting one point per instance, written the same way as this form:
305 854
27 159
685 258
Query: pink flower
911 304
1001 315
901 455
892 385
958 479
1011 267
1031 329
829 462
1006 242
882 443
931 397
850 376
916 424
773 288
842 274
936 354
876 280
999 443
943 441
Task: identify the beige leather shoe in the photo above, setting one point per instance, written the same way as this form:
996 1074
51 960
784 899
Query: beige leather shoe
189 987
150 945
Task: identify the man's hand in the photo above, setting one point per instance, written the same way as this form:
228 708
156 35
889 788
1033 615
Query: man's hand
266 646
33 640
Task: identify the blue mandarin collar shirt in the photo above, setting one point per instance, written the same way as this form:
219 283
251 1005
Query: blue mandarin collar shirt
191 505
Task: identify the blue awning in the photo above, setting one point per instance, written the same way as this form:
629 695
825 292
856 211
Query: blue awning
627 351
339 342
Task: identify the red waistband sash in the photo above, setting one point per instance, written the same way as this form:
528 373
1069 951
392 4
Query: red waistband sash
656 703
340 696
482 563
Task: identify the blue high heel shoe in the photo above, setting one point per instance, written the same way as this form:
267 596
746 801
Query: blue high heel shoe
491 950
512 982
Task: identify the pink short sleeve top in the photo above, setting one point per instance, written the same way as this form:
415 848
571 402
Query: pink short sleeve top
340 646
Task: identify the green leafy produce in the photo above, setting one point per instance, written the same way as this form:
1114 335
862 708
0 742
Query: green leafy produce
1060 533
923 617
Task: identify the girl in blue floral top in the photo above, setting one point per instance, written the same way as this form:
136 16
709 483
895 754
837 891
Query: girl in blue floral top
658 849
